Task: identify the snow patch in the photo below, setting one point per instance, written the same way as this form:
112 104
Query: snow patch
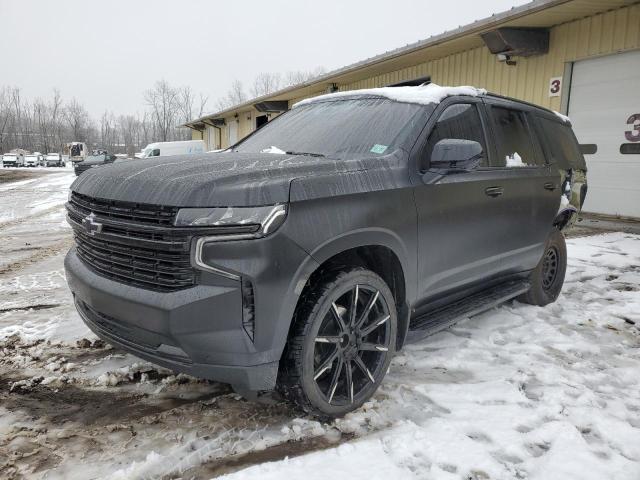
423 94
273 149
515 160
562 117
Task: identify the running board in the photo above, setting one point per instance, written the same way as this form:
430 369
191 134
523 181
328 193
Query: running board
444 317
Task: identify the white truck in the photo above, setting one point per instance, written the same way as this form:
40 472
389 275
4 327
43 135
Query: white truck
33 160
166 149
53 160
77 151
13 160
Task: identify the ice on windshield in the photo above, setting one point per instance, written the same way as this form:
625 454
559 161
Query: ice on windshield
345 128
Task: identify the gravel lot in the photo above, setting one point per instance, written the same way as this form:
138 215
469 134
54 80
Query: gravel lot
518 392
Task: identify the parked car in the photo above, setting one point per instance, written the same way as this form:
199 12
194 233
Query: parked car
13 160
376 218
165 149
54 160
93 161
32 160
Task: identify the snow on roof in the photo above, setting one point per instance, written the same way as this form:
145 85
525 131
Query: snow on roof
423 94
564 118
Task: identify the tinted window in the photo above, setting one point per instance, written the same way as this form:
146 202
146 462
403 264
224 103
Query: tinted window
560 144
513 143
345 128
460 121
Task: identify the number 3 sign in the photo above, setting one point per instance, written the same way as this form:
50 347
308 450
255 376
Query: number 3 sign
555 85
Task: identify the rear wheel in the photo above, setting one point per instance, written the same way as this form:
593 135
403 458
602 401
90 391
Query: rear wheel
548 276
343 340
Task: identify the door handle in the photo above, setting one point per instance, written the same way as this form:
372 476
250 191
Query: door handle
550 186
494 191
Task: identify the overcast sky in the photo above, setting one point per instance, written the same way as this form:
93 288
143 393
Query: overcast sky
107 53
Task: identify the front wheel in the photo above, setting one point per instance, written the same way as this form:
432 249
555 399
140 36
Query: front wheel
548 276
343 339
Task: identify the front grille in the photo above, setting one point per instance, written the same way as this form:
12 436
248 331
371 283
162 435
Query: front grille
136 244
135 212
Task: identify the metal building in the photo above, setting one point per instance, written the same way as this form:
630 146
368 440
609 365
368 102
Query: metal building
578 57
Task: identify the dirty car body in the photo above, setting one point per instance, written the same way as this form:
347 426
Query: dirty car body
199 263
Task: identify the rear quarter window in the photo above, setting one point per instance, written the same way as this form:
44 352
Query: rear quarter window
560 144
513 140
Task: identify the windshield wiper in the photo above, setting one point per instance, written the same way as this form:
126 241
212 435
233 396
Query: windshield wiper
308 154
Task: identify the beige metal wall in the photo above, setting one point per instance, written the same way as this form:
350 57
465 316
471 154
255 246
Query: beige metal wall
610 32
614 31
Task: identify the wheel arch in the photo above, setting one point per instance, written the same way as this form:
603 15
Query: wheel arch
380 251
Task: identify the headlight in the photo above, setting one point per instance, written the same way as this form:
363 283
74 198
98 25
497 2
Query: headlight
259 221
235 223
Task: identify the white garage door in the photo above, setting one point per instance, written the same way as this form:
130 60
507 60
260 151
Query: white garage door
232 132
604 106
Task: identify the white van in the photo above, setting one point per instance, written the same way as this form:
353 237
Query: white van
166 149
13 160
32 160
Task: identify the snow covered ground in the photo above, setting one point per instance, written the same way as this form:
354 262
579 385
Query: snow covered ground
519 392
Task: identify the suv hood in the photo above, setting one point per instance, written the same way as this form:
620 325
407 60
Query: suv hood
209 180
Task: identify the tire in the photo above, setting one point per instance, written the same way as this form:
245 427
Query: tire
548 276
326 337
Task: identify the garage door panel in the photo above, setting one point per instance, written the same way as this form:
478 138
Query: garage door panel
605 92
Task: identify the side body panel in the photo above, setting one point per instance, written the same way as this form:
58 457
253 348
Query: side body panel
532 195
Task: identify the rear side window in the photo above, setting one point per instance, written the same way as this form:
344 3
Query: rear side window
459 121
513 139
560 144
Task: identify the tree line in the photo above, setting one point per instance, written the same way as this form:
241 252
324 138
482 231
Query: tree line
46 124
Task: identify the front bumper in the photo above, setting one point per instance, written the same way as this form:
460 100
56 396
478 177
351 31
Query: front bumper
199 330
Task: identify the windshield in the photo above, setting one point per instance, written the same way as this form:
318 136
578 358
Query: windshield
95 158
52 156
346 128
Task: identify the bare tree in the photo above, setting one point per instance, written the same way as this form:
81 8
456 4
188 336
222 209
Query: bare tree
301 76
163 100
190 108
6 117
266 83
78 121
235 96
108 131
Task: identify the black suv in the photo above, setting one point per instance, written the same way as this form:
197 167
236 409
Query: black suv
302 258
96 159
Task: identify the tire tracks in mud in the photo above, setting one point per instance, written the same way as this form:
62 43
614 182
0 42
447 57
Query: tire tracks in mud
38 255
28 218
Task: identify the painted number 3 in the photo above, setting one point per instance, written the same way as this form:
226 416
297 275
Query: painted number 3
554 87
633 135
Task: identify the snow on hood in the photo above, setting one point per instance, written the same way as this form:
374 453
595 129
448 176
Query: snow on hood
273 149
423 94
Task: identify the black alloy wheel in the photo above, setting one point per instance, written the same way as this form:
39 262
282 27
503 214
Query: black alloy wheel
351 345
343 341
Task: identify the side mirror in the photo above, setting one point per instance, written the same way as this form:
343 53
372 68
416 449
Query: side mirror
455 154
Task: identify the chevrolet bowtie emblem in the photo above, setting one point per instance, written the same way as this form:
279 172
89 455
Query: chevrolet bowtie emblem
90 225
